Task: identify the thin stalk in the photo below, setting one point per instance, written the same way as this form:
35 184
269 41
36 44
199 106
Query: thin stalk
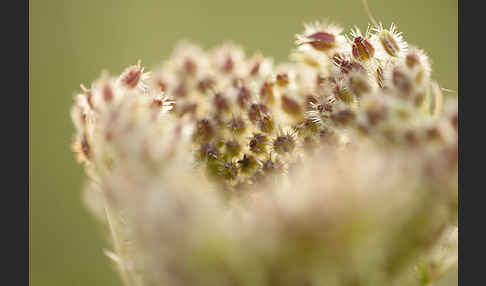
117 244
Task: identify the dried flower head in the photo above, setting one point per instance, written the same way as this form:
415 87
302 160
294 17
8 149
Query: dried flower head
337 168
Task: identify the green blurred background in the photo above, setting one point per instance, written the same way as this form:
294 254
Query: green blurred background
72 41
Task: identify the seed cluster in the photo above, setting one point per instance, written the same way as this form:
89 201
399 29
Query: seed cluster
247 114
250 127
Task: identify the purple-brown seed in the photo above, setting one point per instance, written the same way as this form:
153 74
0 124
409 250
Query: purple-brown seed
228 65
255 69
188 108
359 85
400 81
362 49
375 115
412 60
180 90
108 94
322 41
162 85
237 125
282 79
243 97
455 121
266 93
205 84
266 124
248 163
204 130
343 117
433 133
131 77
310 101
411 138
190 67
85 148
220 102
284 144
208 151
271 166
291 106
233 148
389 44
347 66
258 143
257 111
380 78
